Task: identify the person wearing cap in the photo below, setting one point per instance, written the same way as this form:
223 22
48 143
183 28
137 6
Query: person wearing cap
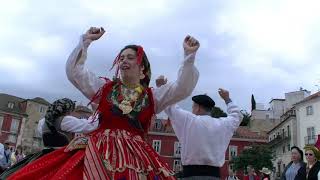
312 153
204 139
265 173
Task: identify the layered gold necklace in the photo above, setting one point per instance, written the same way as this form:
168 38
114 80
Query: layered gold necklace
130 94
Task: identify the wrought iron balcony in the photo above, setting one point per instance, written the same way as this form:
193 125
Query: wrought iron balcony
310 140
283 137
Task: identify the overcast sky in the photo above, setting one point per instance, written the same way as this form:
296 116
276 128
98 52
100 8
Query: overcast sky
265 48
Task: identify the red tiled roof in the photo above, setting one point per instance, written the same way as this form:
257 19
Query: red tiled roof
315 95
245 132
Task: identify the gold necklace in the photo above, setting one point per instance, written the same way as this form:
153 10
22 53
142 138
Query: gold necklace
130 96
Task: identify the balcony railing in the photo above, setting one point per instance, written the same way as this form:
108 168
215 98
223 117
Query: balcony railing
310 140
283 137
288 114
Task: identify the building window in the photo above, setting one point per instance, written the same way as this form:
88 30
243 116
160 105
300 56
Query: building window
158 125
176 165
42 109
309 110
311 135
267 117
289 147
12 138
269 139
14 125
156 144
177 149
283 149
288 129
1 121
233 152
10 105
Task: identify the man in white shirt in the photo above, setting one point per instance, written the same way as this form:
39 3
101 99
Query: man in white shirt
204 139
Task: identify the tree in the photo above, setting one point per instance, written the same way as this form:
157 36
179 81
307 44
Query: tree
217 113
258 156
246 118
253 103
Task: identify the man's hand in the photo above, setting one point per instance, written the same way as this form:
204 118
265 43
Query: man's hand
190 45
161 80
94 33
224 94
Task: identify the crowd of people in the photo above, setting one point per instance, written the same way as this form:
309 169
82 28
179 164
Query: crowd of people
9 156
297 169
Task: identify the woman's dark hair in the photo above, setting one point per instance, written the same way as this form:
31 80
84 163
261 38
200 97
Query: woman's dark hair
145 62
299 150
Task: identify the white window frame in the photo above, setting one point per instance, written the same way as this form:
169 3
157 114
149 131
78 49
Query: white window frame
42 109
311 133
309 110
158 125
10 105
15 122
156 144
231 149
12 138
177 148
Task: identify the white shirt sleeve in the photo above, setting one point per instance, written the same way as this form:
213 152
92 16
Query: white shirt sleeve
40 126
174 92
319 175
234 118
179 119
76 125
84 80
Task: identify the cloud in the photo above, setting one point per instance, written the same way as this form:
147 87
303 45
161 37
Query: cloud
17 69
270 32
47 46
262 47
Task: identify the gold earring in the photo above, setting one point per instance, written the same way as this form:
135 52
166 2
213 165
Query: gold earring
142 76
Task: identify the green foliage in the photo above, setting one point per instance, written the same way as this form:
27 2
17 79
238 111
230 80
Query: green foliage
258 156
217 112
246 118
